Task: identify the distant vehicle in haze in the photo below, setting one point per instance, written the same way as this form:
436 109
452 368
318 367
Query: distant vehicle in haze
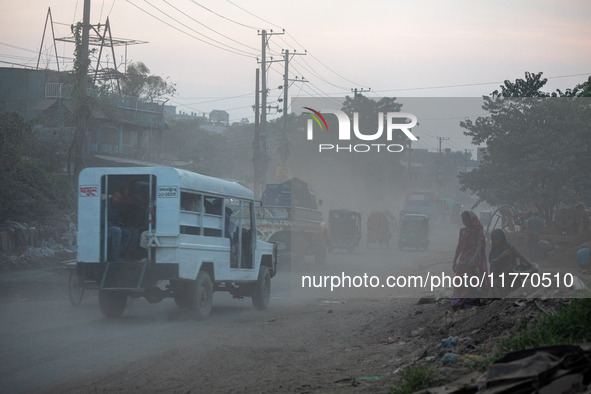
420 202
414 231
290 218
344 229
378 229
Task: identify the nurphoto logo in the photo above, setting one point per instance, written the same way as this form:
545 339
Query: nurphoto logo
401 121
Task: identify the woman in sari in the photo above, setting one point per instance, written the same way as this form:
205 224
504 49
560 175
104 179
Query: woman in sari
505 258
469 261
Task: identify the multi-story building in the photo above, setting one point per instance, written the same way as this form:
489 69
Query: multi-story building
119 128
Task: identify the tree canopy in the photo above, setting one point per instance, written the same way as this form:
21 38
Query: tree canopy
538 146
138 82
28 186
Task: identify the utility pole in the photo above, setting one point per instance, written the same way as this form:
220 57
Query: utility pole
286 81
264 85
257 143
263 106
440 140
362 90
439 175
81 111
82 76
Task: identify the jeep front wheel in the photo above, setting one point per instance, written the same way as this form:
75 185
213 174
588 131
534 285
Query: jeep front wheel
262 291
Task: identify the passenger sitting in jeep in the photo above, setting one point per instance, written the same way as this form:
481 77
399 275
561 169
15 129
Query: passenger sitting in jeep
117 231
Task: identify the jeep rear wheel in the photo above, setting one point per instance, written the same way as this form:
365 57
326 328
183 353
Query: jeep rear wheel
203 296
112 303
262 291
183 294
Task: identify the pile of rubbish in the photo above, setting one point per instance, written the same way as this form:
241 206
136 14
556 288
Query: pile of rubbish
459 348
22 245
550 369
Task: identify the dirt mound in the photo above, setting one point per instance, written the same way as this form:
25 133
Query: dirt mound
453 344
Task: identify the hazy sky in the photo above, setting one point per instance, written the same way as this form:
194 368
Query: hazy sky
396 48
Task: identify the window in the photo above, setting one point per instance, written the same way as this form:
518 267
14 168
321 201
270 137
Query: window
212 220
190 202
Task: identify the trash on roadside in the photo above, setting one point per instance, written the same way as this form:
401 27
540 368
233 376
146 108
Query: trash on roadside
447 342
426 300
368 378
474 357
448 358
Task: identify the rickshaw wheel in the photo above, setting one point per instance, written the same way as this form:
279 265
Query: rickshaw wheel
75 289
503 218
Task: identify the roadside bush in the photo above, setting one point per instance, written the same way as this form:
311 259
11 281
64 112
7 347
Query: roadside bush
28 188
568 325
414 378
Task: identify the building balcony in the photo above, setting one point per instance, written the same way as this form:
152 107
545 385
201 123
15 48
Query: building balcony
121 101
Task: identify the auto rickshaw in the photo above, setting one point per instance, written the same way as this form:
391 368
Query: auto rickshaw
414 231
378 229
344 229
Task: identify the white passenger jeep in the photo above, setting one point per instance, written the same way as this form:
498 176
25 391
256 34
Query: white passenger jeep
181 235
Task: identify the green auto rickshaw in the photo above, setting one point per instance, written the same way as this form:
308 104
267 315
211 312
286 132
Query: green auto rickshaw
414 231
344 229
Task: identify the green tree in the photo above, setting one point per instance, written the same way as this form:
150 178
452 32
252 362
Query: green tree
138 82
538 147
206 152
28 188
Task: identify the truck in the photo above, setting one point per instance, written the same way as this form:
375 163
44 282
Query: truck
159 232
419 202
291 219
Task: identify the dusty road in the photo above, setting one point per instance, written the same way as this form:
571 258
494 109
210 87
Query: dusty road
309 344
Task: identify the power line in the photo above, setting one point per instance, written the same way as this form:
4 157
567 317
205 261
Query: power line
329 100
213 97
301 46
319 61
313 72
209 28
111 9
17 64
223 17
318 88
216 100
296 95
17 47
250 13
102 7
75 12
188 34
323 64
471 84
199 33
